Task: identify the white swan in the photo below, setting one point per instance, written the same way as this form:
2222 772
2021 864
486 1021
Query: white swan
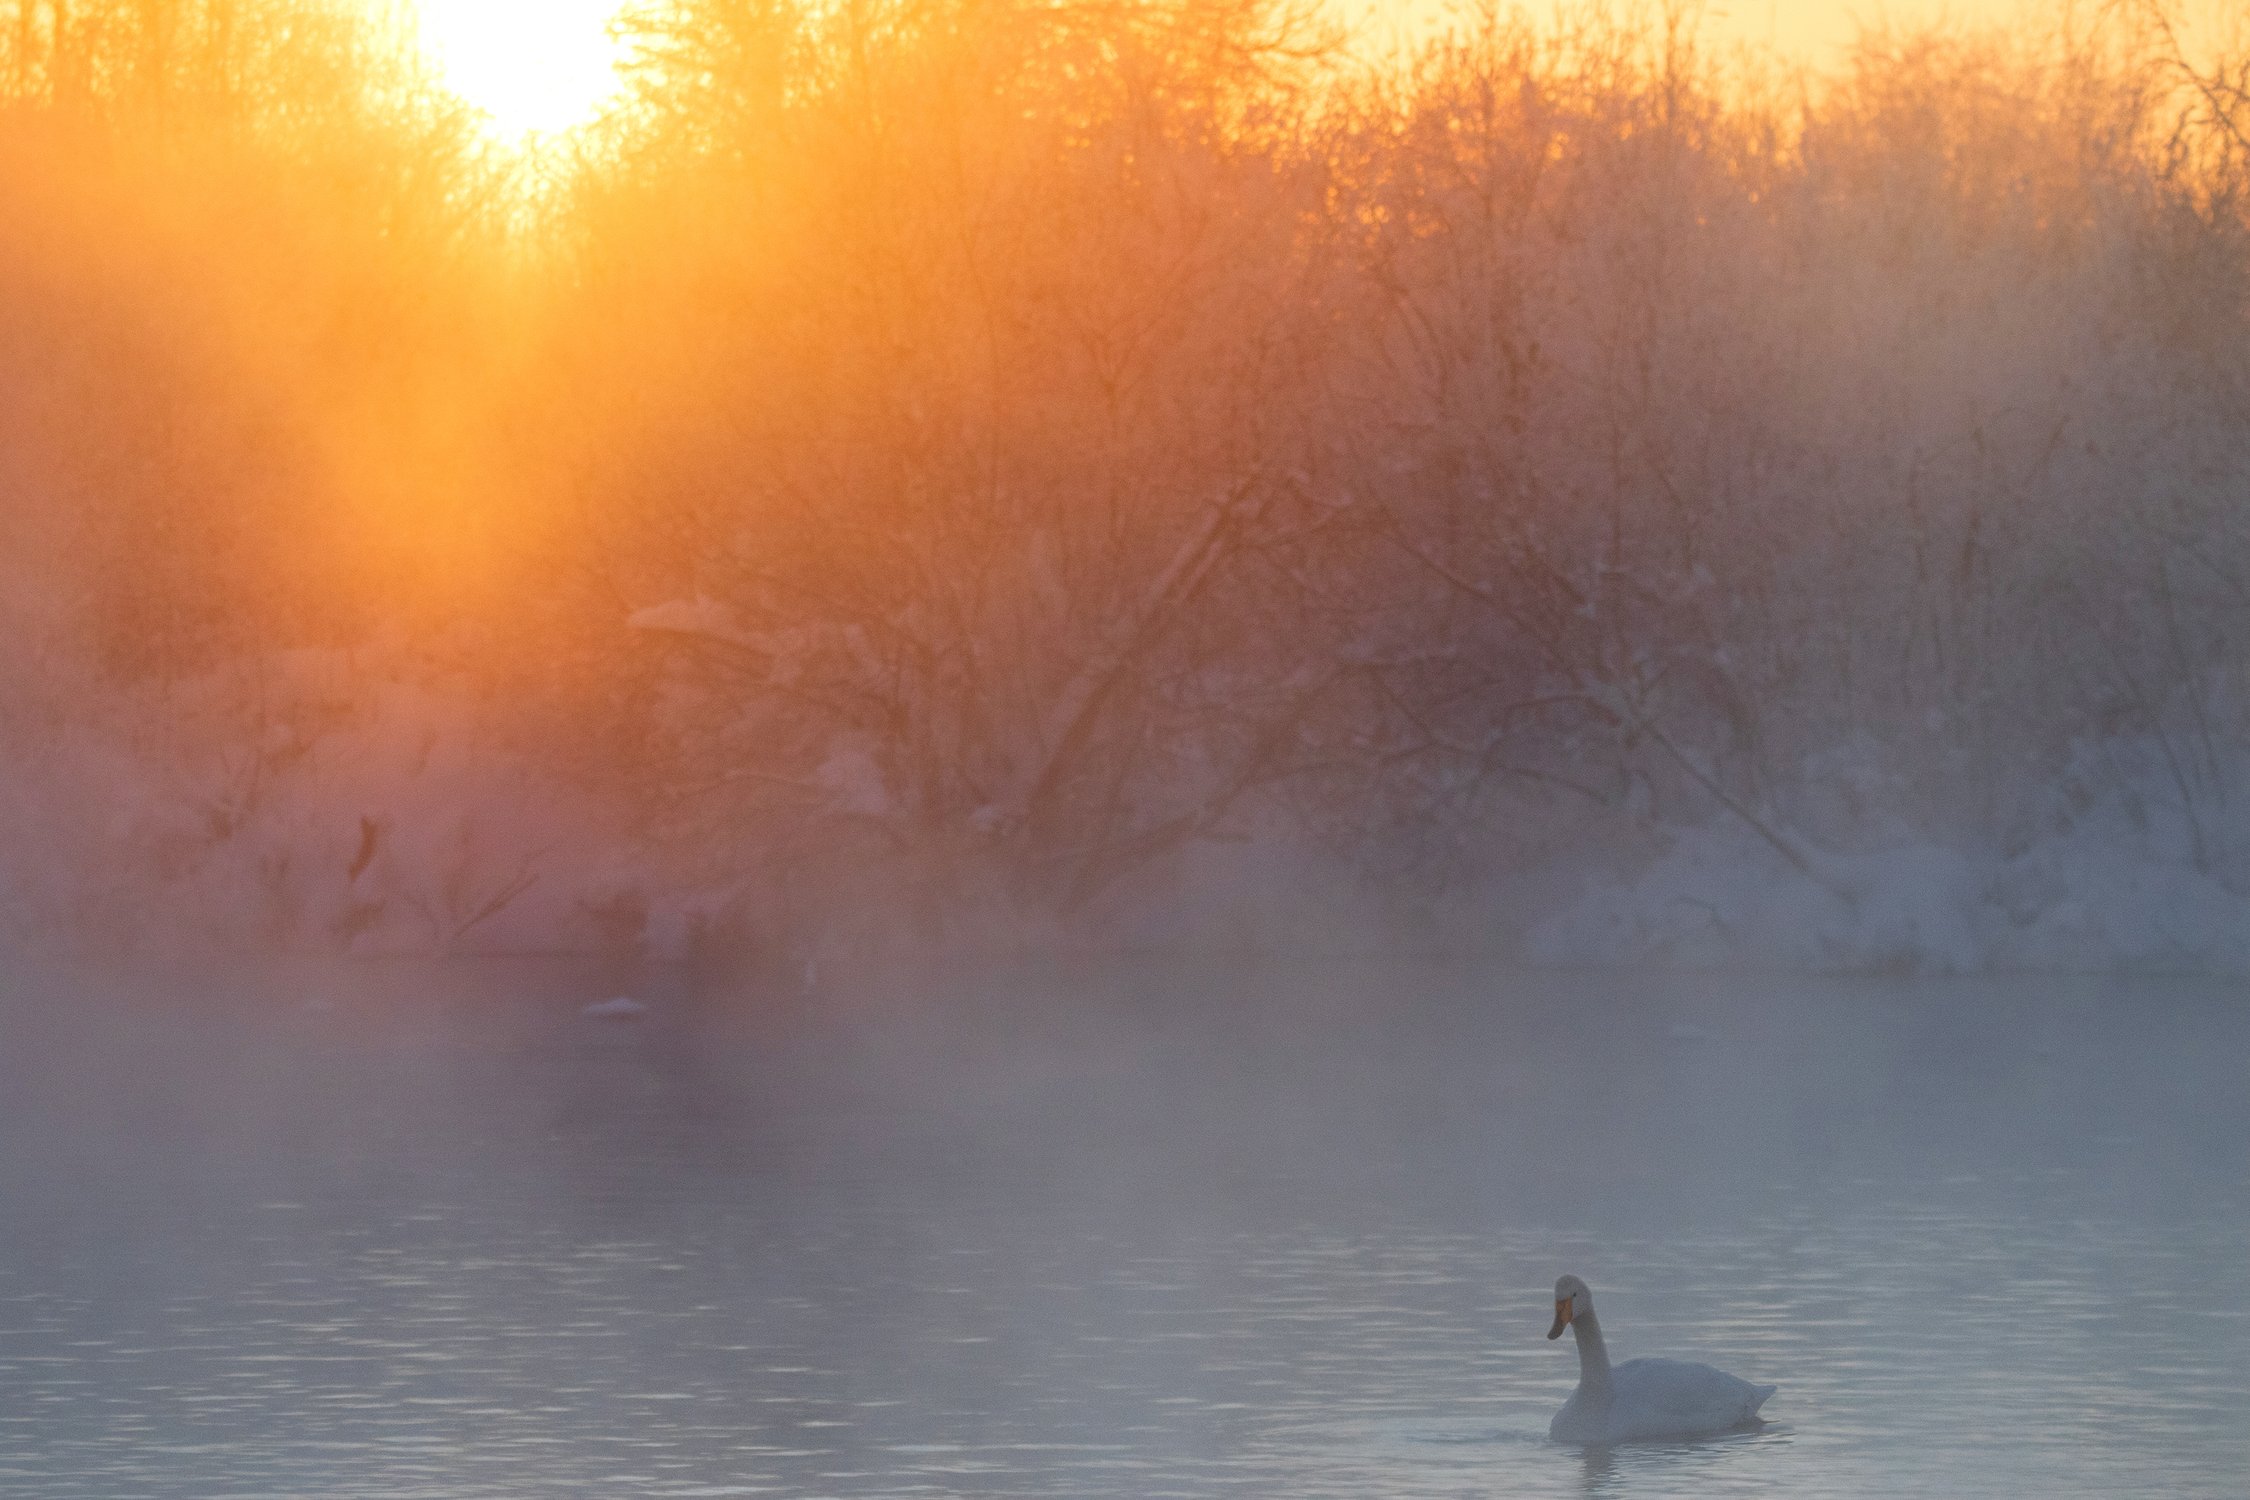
1642 1398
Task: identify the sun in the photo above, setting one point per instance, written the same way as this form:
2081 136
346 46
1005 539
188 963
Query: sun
532 67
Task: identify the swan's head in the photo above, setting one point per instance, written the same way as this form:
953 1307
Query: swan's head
1572 1302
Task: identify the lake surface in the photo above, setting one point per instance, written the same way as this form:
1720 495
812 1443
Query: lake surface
1178 1233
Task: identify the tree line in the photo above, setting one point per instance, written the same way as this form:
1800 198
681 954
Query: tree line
965 455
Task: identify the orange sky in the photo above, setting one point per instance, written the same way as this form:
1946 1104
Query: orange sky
1811 29
1816 27
540 65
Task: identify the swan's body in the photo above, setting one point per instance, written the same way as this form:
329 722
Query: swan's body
1642 1399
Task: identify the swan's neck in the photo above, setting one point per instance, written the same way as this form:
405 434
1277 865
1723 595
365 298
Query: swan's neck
1593 1354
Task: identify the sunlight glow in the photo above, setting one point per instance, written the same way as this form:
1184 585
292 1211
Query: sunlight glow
533 67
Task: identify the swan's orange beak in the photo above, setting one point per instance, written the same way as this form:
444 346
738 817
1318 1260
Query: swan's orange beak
1562 1317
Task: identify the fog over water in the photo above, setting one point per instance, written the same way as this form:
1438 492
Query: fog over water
1154 1229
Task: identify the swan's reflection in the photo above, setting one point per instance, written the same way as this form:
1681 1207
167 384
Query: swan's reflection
1597 1473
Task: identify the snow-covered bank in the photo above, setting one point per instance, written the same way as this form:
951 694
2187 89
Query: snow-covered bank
2083 900
380 818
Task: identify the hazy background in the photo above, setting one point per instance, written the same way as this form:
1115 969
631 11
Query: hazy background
977 473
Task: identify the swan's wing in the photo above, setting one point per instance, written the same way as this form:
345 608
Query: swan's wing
1666 1397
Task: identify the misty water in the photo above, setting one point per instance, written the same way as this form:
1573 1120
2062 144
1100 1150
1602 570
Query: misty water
1168 1231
